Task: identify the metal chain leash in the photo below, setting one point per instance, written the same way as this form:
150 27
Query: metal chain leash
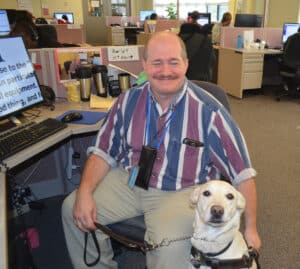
166 242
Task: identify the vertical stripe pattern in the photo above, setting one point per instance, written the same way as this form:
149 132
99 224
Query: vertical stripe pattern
197 116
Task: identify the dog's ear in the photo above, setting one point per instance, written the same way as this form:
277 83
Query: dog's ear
195 196
241 202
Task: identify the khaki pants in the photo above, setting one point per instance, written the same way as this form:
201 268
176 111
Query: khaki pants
167 216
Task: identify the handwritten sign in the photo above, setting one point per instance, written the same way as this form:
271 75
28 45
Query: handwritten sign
123 53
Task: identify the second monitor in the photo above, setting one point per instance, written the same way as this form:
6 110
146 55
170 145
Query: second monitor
204 18
65 16
248 20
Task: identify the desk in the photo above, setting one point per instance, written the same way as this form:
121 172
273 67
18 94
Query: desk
241 69
142 38
119 36
72 129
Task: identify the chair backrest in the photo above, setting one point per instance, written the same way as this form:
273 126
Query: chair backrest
214 90
48 36
291 53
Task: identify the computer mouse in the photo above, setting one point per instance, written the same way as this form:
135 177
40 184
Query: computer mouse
72 116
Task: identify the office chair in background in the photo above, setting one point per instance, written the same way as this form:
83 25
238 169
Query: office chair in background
134 228
290 67
199 52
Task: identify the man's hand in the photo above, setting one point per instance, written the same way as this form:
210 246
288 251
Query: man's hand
252 239
84 211
248 189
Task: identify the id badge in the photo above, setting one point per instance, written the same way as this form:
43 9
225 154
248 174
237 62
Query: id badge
132 177
146 162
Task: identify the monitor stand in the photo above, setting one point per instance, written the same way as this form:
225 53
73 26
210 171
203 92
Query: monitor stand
11 122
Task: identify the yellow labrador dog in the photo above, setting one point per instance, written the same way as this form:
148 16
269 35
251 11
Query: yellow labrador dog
217 241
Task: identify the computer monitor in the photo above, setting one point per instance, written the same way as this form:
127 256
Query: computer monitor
288 30
19 87
248 20
59 16
145 14
4 23
204 18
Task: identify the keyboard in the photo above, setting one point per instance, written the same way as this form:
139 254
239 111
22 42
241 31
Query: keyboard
27 134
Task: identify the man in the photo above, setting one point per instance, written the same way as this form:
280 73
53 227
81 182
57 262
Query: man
192 138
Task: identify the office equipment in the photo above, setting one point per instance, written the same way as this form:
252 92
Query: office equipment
290 66
248 20
27 134
48 144
288 30
59 16
72 116
145 14
204 18
19 88
88 117
4 23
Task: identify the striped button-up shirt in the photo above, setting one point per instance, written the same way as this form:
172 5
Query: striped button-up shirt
197 116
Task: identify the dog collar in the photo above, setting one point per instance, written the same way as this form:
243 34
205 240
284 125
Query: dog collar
206 259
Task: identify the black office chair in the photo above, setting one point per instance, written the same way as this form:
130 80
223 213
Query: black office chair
134 228
290 67
199 51
48 36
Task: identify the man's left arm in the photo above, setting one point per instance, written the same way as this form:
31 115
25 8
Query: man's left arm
248 189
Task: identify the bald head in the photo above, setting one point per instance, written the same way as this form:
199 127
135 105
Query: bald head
161 38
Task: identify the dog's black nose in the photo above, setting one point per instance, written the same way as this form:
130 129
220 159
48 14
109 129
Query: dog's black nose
217 211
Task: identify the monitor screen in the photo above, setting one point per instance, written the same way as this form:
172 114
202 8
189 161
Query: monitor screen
19 88
204 18
145 14
4 23
61 16
288 30
248 20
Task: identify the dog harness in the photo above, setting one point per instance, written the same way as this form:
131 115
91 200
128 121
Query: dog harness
208 259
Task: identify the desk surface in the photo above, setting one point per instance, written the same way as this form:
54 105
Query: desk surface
252 50
27 153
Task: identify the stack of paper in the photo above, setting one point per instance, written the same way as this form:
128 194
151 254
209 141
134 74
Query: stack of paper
101 102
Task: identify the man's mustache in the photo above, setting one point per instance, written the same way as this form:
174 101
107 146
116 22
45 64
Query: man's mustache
165 77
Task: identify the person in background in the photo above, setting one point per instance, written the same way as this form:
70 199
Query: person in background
157 143
22 23
216 30
199 51
153 16
64 19
193 17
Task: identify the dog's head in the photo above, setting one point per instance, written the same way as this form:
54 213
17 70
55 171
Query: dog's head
217 202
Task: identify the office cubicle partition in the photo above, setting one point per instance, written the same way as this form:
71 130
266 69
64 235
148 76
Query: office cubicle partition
229 35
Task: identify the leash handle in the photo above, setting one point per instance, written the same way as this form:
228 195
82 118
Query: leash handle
134 244
93 234
254 254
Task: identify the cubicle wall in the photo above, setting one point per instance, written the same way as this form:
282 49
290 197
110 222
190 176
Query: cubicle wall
71 33
229 35
164 25
49 63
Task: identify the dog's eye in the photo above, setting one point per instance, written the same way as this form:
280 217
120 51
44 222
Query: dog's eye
206 193
229 196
